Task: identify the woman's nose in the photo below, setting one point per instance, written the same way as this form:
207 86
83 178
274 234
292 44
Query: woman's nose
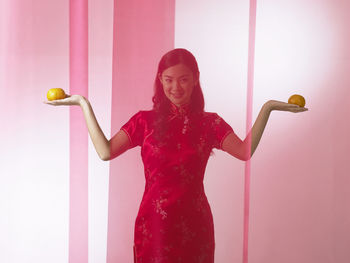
177 85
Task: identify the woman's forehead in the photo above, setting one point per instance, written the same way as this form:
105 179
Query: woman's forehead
178 70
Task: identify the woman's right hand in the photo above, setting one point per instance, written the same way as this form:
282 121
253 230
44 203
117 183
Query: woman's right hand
68 100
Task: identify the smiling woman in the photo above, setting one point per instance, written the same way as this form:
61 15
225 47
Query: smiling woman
178 82
302 163
177 136
174 222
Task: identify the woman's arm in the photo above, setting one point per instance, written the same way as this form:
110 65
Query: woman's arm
118 144
257 130
238 148
96 134
105 149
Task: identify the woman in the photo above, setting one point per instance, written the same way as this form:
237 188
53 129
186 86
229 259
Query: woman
174 222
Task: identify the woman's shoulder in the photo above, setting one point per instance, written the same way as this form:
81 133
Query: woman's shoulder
145 114
206 118
209 115
149 115
213 118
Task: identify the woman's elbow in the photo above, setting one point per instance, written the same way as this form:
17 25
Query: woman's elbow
247 158
242 155
239 156
243 158
105 157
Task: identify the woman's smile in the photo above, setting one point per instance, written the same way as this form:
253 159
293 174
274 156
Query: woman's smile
177 95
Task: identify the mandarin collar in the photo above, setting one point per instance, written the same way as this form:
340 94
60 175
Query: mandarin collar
179 111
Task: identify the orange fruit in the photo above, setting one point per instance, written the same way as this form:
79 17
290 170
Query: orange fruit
56 94
297 99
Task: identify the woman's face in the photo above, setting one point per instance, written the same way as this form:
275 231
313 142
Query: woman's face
178 82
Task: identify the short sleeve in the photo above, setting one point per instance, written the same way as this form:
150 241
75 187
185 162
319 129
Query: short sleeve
220 129
134 128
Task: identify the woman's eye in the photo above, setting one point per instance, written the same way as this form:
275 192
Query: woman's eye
184 80
168 80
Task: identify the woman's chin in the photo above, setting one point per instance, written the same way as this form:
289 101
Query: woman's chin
178 102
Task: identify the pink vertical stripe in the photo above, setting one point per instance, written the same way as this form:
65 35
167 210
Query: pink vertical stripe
78 62
250 86
143 32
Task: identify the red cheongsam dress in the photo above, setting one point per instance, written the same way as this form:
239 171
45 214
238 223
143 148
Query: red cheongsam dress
174 223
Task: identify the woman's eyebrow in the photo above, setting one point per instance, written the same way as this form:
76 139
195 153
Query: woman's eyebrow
179 77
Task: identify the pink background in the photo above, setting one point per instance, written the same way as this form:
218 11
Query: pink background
300 182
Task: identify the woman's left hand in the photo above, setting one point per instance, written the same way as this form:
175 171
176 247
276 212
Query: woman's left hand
283 106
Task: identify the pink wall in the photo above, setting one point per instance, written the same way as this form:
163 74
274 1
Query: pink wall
34 171
299 194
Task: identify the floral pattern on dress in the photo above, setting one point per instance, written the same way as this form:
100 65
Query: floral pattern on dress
159 203
144 229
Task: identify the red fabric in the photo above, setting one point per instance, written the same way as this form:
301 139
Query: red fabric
174 221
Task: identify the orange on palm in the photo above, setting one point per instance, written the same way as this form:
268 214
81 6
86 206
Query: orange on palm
56 94
297 99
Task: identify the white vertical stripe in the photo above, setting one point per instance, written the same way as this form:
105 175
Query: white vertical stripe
216 32
100 89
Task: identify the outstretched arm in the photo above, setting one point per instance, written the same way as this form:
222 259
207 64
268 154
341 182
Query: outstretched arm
106 149
240 149
257 130
96 134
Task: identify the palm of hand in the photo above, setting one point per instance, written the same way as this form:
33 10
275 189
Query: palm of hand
283 106
69 100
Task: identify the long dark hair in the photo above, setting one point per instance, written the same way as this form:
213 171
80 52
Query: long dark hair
161 104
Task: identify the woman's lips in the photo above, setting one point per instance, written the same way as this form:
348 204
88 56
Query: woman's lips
177 95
